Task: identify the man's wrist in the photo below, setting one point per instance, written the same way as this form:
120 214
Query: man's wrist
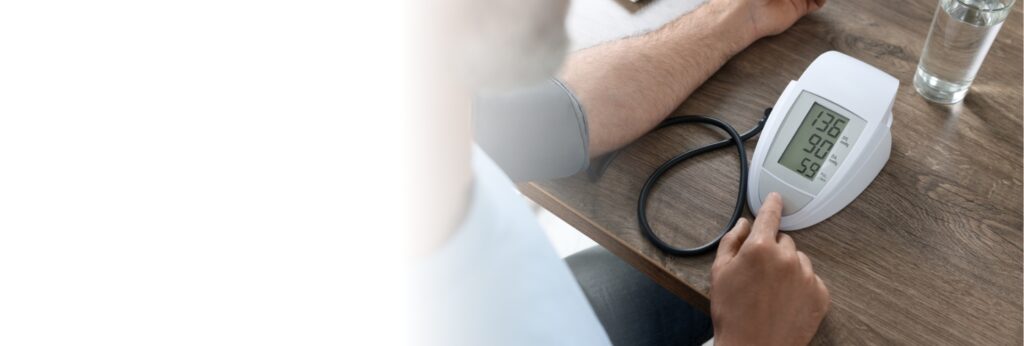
722 28
730 21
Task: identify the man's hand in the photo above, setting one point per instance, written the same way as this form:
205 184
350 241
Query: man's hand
772 17
764 291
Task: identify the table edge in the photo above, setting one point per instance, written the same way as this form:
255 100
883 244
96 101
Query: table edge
617 246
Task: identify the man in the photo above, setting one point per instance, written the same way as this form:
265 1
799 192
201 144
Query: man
487 274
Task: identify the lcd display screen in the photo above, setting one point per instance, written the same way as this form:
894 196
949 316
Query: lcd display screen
814 139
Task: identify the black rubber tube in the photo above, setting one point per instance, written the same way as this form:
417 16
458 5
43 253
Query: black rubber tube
734 139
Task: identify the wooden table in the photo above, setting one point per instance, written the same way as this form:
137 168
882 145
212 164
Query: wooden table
929 254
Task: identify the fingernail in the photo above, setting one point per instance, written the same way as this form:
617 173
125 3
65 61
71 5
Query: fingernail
774 194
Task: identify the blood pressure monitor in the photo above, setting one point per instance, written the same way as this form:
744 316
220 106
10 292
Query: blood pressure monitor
826 139
821 145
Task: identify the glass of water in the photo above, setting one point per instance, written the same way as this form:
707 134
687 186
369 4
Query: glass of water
961 34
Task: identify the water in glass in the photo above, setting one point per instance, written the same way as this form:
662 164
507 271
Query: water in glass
961 34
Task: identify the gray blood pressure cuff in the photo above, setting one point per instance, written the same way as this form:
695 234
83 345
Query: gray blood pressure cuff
533 133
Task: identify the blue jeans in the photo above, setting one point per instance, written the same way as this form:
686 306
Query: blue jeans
633 309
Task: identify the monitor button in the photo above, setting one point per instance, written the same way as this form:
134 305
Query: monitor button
792 199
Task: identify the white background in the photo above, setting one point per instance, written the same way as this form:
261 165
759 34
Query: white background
202 172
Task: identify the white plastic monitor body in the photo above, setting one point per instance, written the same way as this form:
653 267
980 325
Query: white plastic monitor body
852 89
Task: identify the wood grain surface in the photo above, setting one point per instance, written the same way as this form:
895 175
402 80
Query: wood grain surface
929 254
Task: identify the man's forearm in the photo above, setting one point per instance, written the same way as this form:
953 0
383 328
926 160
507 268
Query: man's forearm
628 86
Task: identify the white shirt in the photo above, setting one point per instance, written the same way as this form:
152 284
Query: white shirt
497 281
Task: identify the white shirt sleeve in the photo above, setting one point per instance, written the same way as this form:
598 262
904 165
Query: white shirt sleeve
497 281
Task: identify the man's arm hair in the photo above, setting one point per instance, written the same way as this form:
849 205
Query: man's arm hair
628 86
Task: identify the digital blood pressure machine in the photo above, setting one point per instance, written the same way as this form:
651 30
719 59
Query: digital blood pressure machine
825 140
827 137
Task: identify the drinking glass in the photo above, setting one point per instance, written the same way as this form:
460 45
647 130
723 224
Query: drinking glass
961 35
